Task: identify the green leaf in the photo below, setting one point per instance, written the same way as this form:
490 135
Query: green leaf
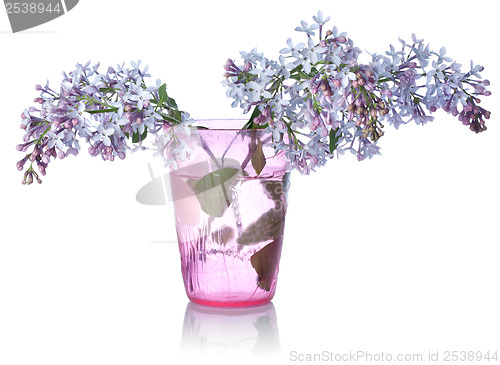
170 119
136 137
97 111
266 263
171 103
108 89
334 139
258 158
162 93
214 190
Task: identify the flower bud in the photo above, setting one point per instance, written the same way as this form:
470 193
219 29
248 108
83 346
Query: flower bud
20 163
41 167
45 158
29 180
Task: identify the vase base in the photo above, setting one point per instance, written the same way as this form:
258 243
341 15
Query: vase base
231 304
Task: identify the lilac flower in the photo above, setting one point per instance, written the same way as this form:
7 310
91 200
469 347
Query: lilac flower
333 54
474 70
140 96
368 150
315 50
258 91
319 19
103 134
264 73
345 75
56 140
277 103
186 122
415 39
253 56
284 67
118 121
78 114
306 28
437 71
294 50
441 56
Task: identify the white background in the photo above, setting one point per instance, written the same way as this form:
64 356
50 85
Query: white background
399 254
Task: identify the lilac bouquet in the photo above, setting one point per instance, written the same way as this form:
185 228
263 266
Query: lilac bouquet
316 101
325 101
113 112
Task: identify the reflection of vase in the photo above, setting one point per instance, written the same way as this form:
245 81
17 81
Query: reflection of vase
230 200
230 332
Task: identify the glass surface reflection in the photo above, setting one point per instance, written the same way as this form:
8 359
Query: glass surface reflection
223 332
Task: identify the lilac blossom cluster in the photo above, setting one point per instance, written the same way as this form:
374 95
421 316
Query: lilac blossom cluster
318 99
112 111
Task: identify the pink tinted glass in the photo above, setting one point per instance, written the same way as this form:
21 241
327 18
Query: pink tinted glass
230 201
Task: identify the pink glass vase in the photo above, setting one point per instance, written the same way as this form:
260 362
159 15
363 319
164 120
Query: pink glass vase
230 201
